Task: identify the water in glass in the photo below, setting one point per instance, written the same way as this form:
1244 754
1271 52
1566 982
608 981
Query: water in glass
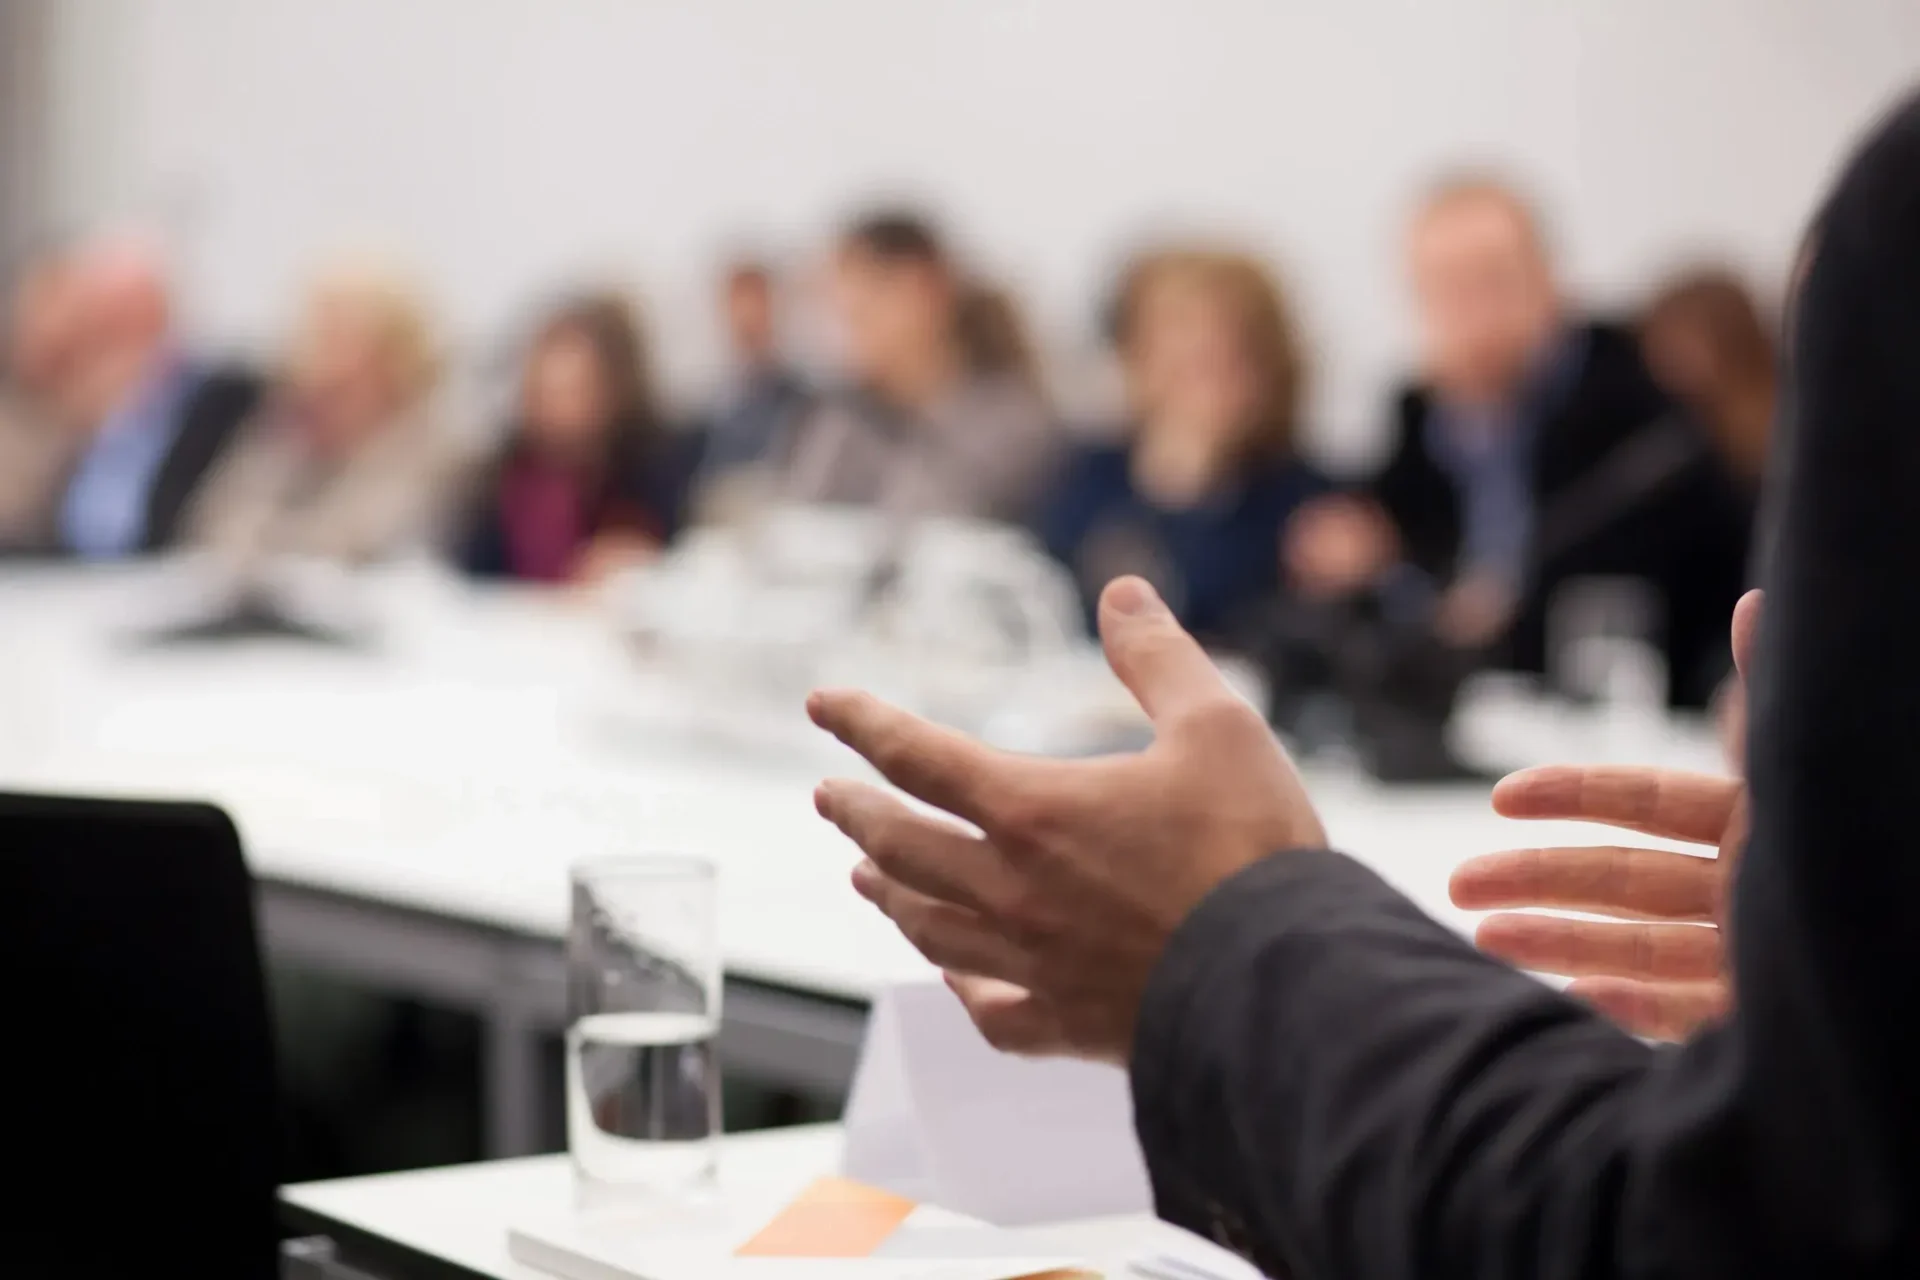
643 1097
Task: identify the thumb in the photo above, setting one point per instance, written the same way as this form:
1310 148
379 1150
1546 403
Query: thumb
1746 624
1162 666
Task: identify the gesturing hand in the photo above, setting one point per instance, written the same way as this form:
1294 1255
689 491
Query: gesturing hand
1662 978
1051 918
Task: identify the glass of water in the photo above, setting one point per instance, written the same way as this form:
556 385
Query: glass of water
643 988
1603 647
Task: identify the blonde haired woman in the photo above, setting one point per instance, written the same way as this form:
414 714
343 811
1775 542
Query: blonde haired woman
1196 492
344 461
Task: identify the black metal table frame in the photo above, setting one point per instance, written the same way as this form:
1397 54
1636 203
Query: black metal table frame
516 985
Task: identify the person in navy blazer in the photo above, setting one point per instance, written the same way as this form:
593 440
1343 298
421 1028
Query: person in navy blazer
1199 484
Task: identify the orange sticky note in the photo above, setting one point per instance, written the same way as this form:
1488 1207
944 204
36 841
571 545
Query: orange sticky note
833 1218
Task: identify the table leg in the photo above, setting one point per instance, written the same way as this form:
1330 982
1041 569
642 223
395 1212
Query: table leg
513 1094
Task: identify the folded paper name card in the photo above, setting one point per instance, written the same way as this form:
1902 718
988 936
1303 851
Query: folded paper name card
938 1115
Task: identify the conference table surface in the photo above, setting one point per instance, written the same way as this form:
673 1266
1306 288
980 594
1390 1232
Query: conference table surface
453 1222
451 772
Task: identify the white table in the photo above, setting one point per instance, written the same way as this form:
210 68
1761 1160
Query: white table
410 812
453 1222
458 1216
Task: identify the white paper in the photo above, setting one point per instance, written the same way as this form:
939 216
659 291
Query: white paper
929 1245
938 1115
884 1147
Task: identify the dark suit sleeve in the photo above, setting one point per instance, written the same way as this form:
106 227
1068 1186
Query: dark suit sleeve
1340 1087
212 416
1416 496
479 546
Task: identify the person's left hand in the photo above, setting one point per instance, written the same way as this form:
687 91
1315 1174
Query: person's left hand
1659 967
1665 977
1050 920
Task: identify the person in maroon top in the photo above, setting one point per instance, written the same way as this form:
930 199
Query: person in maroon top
585 483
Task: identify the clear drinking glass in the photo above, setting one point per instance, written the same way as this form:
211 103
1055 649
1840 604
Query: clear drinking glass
643 984
1603 643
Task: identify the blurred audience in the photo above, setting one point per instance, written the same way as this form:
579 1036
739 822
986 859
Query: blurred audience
1195 495
764 399
344 461
149 418
1711 347
587 481
34 452
945 415
1536 450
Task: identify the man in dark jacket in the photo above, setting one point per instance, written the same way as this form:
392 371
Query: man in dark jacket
146 420
1343 1089
1537 450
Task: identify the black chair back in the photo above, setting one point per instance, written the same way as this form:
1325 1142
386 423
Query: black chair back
136 1068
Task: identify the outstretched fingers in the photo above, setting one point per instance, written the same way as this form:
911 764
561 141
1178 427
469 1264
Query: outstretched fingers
1655 802
1612 880
946 769
1586 948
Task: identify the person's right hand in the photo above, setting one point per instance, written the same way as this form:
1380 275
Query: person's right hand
1474 611
1051 912
1337 544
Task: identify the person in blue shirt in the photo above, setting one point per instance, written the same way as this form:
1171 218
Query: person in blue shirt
1196 492
762 404
1534 454
149 420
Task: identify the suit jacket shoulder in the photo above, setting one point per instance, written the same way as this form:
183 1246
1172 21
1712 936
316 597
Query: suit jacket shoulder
1415 493
211 416
1610 397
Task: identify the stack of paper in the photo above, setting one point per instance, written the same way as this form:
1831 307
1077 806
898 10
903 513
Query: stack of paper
833 1228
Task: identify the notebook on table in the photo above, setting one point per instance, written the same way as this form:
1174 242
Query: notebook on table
833 1227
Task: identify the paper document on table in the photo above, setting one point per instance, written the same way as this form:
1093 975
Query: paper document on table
937 1115
833 1227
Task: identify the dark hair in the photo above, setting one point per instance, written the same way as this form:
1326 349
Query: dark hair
993 337
611 327
897 236
1717 303
635 444
986 322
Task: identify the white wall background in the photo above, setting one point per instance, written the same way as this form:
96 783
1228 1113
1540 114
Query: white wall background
509 146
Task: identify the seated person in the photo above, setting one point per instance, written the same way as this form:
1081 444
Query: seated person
1536 451
586 482
945 415
150 420
344 461
763 402
1711 349
35 454
1195 496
